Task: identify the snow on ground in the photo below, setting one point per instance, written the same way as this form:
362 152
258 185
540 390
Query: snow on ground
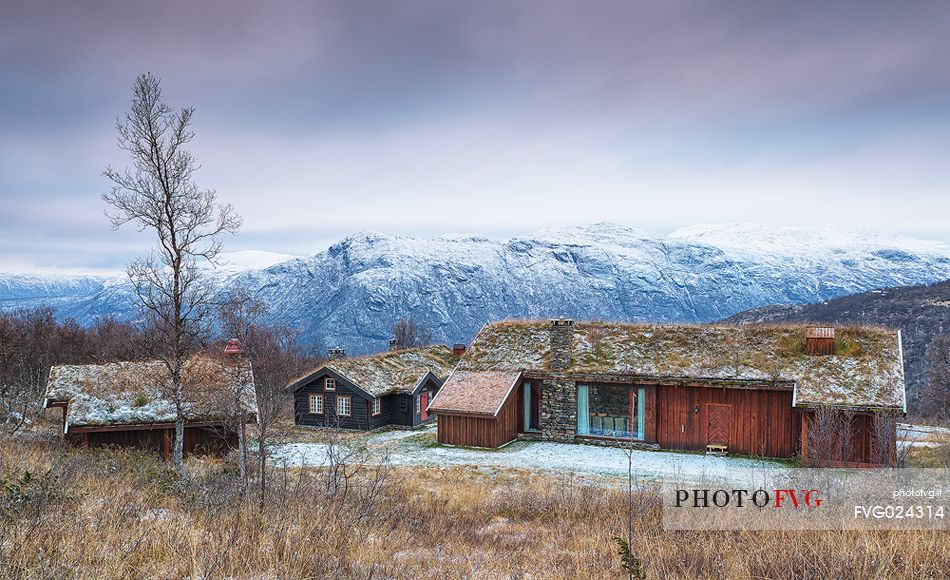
413 447
921 435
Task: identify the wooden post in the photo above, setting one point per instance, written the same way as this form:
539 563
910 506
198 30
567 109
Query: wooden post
85 440
804 435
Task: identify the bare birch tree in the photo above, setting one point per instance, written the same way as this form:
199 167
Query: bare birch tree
159 193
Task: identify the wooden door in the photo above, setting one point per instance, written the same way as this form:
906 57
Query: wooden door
425 403
719 419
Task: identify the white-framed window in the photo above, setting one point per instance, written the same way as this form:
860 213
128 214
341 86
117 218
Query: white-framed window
316 404
377 407
329 384
418 404
344 406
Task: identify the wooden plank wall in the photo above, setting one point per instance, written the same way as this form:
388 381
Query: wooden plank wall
762 423
197 439
861 450
480 431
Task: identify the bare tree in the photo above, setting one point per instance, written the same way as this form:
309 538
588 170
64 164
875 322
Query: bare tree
240 316
277 357
938 391
159 193
408 334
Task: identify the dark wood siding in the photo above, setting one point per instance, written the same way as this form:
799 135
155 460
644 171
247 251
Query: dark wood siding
481 431
763 422
397 409
360 405
214 439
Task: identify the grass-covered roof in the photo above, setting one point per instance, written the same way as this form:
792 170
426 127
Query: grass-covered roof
131 393
390 372
866 370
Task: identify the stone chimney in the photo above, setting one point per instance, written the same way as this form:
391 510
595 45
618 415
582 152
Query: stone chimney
393 344
562 343
336 353
458 349
820 340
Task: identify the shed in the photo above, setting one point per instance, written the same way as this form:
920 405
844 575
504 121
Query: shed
131 404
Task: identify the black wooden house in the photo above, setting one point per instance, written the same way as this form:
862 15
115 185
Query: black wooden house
391 388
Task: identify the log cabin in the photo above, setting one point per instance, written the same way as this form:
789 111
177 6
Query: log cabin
131 404
390 388
771 391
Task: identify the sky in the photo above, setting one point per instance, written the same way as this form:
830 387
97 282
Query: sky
317 119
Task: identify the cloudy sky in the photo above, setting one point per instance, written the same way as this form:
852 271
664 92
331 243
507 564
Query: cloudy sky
321 119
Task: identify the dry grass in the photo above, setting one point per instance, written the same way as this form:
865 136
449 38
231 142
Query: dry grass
120 514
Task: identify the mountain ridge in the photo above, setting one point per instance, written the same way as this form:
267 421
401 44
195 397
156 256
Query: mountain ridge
350 294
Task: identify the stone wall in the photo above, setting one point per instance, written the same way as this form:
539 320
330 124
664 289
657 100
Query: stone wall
559 410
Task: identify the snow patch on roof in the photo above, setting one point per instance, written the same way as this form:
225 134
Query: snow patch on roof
391 372
866 370
127 393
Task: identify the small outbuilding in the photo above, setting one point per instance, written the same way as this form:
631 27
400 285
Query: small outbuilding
775 391
390 388
131 404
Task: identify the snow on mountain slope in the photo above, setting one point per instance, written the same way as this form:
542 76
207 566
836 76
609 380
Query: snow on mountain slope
350 294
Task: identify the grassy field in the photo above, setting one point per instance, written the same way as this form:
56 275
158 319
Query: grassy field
72 513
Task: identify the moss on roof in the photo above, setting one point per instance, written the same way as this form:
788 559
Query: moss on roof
865 371
128 393
390 372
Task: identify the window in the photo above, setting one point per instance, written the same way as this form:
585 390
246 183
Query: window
615 411
344 406
316 404
376 406
418 404
329 384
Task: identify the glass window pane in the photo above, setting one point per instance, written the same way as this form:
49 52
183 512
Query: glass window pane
583 423
609 407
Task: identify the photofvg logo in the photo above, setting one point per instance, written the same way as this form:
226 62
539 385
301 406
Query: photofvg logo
809 499
740 498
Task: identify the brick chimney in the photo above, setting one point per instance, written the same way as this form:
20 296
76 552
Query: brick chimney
336 353
393 344
820 340
458 349
562 343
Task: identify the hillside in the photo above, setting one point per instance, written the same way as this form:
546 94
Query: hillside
920 312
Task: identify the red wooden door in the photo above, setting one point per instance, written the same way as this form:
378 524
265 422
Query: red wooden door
425 403
719 418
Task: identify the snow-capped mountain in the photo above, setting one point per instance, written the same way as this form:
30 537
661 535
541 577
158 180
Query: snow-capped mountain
351 294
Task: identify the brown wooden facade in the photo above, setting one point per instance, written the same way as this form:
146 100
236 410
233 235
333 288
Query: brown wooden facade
199 438
865 445
481 430
747 421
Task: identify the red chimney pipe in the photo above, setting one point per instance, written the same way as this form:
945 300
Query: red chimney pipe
233 348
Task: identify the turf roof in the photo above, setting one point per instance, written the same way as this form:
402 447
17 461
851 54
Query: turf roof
131 393
866 370
391 372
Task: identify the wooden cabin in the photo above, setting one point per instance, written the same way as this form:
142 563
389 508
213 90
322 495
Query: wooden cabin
752 390
390 388
130 404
